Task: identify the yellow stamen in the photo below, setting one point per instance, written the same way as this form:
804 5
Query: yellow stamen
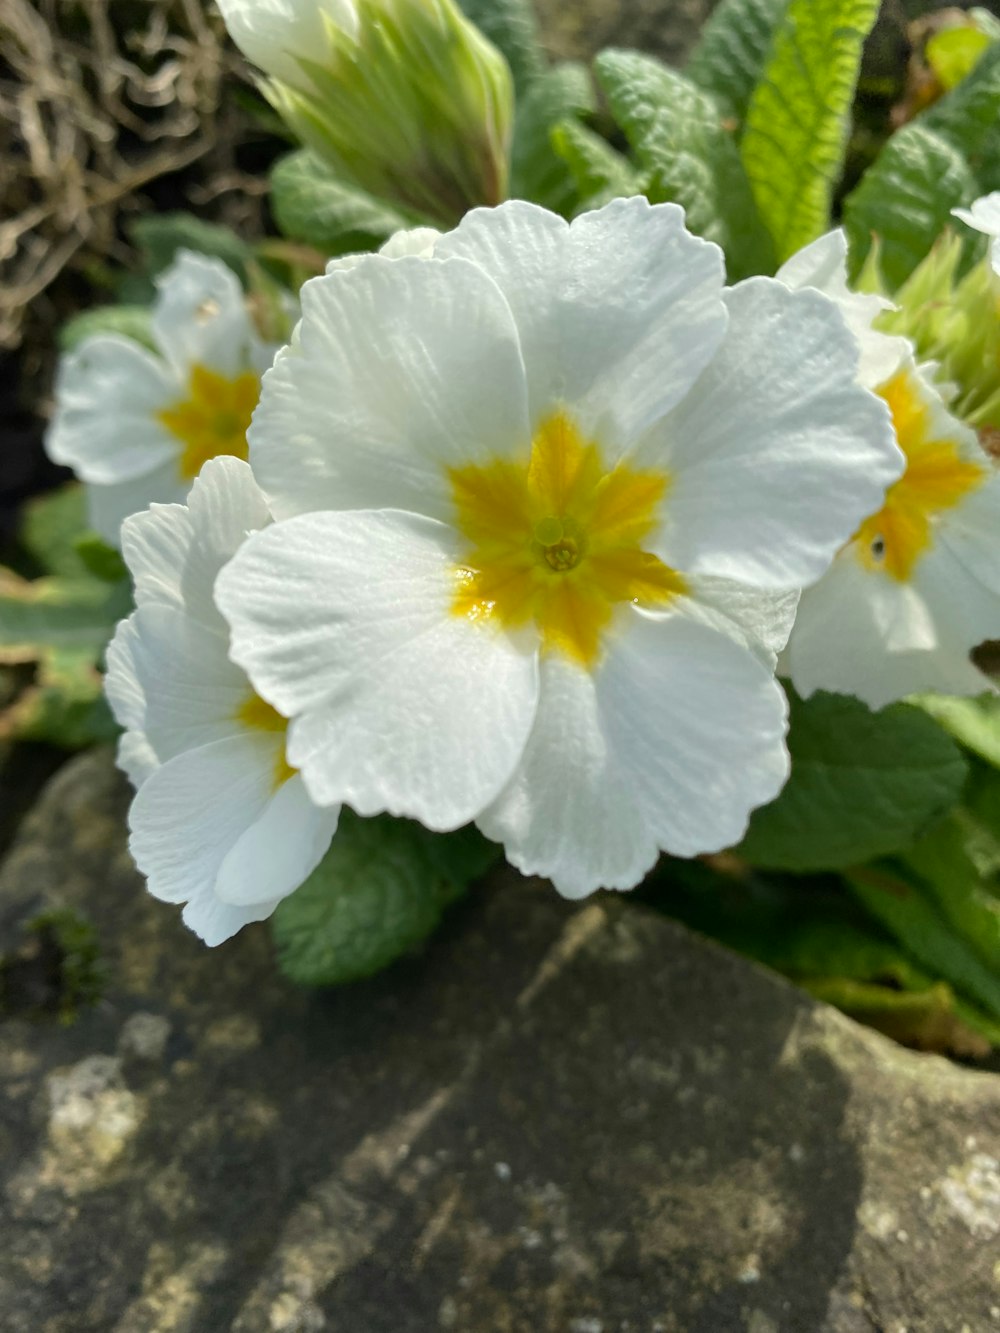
256 714
937 478
555 540
213 419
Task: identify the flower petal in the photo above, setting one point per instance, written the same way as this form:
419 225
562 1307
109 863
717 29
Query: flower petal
399 369
108 393
777 454
174 552
822 265
345 623
193 693
618 313
188 816
200 317
279 850
670 744
109 506
841 637
760 619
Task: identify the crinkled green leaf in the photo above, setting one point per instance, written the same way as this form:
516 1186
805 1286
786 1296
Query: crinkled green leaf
377 894
538 173
905 199
733 49
798 118
128 321
599 172
953 53
312 206
969 119
160 235
686 155
907 908
863 784
974 722
512 27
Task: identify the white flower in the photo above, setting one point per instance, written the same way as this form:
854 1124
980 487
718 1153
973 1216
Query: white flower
984 216
918 585
541 497
220 820
137 424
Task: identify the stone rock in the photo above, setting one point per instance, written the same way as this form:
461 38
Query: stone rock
558 1119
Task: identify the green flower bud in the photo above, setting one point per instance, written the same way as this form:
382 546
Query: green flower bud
404 98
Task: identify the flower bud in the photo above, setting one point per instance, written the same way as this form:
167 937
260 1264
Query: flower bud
404 98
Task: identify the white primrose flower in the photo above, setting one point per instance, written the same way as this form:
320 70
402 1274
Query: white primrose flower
918 585
220 821
984 216
136 424
540 498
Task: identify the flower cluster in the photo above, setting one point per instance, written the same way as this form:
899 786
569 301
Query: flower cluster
531 508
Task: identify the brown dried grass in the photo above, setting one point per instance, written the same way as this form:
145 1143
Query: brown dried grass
97 99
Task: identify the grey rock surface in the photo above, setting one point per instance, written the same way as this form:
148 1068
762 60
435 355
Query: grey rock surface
559 1119
578 29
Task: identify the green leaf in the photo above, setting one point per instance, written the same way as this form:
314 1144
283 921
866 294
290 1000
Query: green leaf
943 862
863 784
905 199
160 235
906 907
974 722
599 172
377 894
686 155
100 559
56 614
797 122
953 53
63 705
512 27
51 525
538 172
127 321
733 50
969 119
312 206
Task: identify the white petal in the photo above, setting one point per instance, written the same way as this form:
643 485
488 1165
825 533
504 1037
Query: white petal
822 265
272 33
174 552
840 637
669 743
108 393
617 313
414 242
971 531
188 816
280 849
345 619
135 757
193 693
109 506
200 317
984 215
399 369
777 454
122 685
759 619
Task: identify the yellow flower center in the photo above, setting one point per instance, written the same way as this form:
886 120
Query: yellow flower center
937 478
555 540
256 714
213 419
